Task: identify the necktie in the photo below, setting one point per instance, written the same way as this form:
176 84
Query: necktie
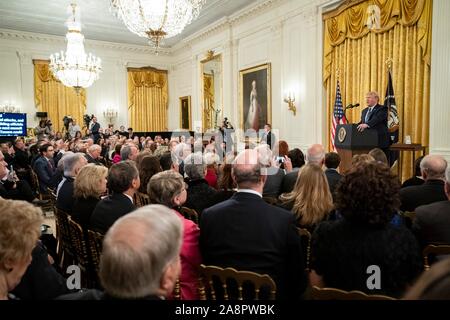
368 114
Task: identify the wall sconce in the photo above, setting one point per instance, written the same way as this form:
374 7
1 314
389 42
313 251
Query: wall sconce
110 114
9 106
290 99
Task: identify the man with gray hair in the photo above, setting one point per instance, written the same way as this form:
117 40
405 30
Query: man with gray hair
93 154
246 233
199 194
432 223
72 165
140 257
129 152
433 169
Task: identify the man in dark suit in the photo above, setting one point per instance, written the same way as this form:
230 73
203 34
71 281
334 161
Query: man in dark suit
433 171
45 167
95 130
332 161
268 136
247 233
432 223
374 117
72 165
123 182
93 154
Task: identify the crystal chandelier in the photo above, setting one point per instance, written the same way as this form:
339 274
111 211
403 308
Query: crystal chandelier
156 19
74 68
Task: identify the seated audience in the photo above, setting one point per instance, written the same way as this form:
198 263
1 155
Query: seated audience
140 257
247 233
45 168
332 161
311 200
432 222
433 284
116 158
433 171
72 165
200 195
129 151
168 188
20 224
89 185
226 185
361 159
379 156
275 175
123 182
168 161
149 166
417 180
93 154
212 161
342 250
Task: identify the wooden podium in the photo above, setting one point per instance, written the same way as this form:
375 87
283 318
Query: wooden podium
349 141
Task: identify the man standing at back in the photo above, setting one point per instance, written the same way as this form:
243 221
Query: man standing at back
246 233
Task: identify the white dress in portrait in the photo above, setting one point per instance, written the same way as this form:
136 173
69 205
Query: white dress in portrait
252 121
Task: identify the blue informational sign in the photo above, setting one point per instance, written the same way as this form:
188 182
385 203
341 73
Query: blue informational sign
13 124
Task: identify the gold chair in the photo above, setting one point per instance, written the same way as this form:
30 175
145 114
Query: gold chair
434 250
141 199
210 274
81 252
338 294
189 214
65 252
305 234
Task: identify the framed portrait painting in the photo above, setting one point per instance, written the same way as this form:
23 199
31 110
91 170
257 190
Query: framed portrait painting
185 113
255 97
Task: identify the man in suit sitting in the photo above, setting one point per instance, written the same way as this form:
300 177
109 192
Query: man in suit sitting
123 182
72 165
433 171
140 257
93 154
432 223
332 161
247 233
375 117
45 167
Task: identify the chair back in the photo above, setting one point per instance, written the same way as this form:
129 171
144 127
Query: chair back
305 235
338 294
81 251
52 194
211 276
189 214
434 250
141 199
95 247
66 253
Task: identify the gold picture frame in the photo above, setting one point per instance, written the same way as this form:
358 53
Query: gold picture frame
185 113
255 97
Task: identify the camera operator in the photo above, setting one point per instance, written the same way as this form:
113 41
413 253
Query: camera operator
73 128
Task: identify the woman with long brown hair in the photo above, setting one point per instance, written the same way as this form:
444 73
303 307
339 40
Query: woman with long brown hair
311 199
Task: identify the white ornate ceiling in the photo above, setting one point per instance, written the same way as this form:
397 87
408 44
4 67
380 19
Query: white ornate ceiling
98 23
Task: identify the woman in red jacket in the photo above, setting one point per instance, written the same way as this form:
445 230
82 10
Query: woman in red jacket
168 188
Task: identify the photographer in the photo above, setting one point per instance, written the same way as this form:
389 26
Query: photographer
73 128
49 129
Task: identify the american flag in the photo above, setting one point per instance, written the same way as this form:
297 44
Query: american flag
338 114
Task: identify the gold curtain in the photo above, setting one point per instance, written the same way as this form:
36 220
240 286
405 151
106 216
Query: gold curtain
357 56
147 99
208 103
51 96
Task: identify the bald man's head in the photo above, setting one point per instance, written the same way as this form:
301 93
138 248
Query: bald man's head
433 167
316 154
247 169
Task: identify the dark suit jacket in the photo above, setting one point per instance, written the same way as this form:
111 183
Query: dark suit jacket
272 187
21 159
45 173
82 210
378 121
432 223
269 138
333 178
91 160
94 131
108 210
289 180
415 196
246 233
65 195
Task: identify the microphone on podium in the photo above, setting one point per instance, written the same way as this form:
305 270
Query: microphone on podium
350 106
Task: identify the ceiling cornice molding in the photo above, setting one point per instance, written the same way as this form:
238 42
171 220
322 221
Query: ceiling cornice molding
46 38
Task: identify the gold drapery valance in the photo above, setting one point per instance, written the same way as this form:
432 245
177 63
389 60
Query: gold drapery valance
349 22
147 99
357 57
51 96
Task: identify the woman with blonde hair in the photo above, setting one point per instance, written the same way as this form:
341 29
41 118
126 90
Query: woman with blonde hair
89 186
311 200
20 224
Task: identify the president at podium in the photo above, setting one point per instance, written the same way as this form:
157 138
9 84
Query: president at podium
374 117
